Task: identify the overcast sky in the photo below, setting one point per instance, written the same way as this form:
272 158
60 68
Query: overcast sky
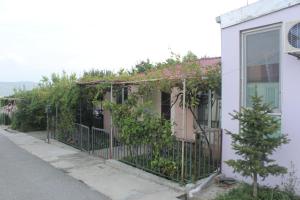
38 37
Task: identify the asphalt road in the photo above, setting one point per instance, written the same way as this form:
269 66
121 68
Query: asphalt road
26 177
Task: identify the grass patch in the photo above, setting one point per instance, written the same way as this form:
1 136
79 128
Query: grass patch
244 192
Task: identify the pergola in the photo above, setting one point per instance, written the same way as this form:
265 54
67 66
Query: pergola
182 79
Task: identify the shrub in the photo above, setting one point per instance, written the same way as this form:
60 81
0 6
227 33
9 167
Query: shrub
244 192
58 91
256 142
164 166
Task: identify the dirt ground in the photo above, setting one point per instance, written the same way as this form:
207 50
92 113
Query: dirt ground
213 191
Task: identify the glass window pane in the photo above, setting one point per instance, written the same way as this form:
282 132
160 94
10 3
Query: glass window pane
166 105
262 55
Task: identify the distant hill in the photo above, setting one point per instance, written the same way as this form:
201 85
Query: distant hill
7 88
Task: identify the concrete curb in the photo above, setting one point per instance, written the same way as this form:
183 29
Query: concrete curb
143 174
201 185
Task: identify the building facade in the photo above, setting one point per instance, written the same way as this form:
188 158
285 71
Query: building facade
255 54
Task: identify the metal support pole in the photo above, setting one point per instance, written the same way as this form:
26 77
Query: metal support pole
111 125
209 109
184 129
80 127
88 147
48 136
80 106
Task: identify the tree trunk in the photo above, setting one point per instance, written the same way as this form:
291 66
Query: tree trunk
255 185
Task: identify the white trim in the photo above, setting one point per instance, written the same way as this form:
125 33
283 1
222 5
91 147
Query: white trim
253 11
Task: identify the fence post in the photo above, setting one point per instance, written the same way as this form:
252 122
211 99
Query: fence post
111 125
48 136
209 109
89 140
184 130
80 137
92 146
220 147
56 115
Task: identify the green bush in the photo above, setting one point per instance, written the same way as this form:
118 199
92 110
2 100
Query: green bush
164 166
138 125
244 192
60 91
30 113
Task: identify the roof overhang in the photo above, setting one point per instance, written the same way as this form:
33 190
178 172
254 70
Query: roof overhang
252 11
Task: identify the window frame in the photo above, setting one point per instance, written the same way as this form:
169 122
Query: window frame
243 66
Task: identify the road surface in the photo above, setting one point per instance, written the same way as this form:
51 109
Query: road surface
26 177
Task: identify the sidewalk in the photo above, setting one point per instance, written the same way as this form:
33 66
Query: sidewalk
112 178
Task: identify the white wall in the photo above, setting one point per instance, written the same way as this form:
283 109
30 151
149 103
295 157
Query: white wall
290 98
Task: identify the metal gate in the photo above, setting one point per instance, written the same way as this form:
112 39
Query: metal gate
100 143
78 137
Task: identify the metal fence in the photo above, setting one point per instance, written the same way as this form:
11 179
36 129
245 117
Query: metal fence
182 160
78 137
100 143
4 118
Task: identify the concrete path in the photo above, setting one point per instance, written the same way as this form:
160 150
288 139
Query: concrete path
107 177
26 177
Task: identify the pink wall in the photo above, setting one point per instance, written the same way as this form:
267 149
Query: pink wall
290 98
106 114
176 114
176 119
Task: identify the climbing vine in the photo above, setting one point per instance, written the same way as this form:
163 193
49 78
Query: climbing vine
138 125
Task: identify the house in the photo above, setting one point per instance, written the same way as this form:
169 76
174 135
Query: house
167 104
187 93
260 49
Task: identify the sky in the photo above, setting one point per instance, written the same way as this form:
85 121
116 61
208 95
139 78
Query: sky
39 37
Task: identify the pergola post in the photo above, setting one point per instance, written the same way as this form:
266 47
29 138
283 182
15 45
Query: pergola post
209 109
183 130
111 125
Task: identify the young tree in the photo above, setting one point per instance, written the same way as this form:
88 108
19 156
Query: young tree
256 142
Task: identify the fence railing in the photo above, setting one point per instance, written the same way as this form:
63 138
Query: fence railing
78 137
4 118
100 143
181 160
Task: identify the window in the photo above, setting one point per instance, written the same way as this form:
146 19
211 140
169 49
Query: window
166 105
203 110
261 65
122 95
